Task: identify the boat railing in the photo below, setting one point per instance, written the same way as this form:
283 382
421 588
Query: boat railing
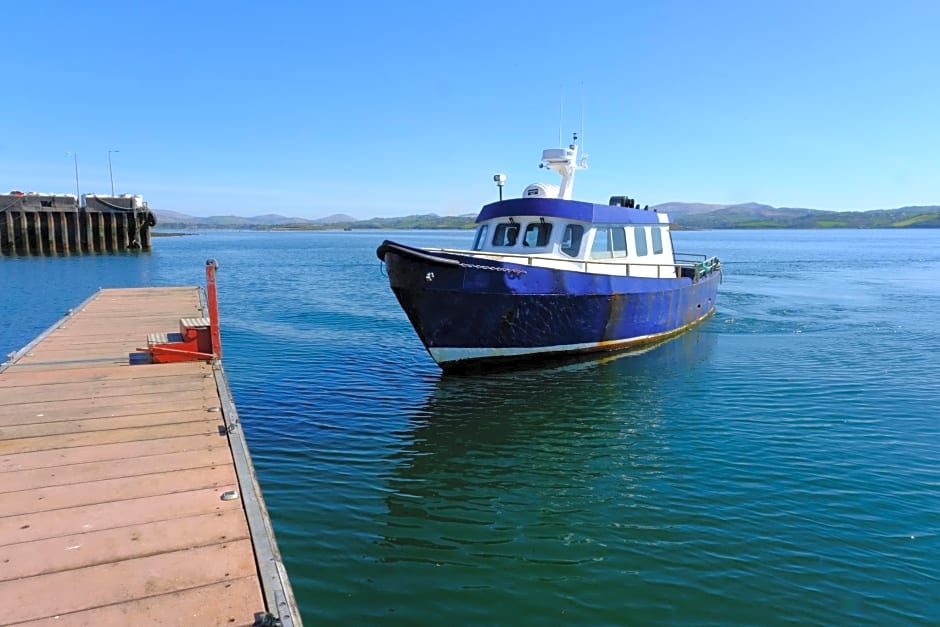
689 257
663 270
694 266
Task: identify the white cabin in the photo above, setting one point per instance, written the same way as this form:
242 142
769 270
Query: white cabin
626 249
546 228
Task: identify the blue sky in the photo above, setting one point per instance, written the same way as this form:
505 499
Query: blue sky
391 108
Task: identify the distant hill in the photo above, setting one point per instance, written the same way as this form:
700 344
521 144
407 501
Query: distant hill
675 209
336 218
175 220
684 215
426 221
171 217
757 216
682 209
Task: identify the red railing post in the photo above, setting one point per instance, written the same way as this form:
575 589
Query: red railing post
211 266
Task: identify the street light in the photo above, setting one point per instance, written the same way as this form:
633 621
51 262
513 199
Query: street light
78 193
111 171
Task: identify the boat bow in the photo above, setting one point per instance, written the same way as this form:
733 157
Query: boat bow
389 246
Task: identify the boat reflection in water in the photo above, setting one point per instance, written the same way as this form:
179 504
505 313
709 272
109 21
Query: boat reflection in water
537 466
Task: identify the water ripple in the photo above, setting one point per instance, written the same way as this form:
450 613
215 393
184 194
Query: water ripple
776 465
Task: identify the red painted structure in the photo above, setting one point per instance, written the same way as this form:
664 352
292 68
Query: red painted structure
211 266
199 339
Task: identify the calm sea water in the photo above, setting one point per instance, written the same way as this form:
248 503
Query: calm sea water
778 464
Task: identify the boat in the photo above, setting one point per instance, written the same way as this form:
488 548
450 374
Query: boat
549 277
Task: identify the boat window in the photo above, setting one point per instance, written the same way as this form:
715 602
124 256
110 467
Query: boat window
657 234
618 239
639 236
537 234
600 249
505 234
571 240
481 237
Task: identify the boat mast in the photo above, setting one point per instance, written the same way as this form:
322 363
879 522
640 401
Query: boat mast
564 161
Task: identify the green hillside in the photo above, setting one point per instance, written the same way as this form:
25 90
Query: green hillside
683 215
763 217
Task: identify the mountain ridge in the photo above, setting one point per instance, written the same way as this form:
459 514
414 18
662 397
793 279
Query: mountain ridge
683 214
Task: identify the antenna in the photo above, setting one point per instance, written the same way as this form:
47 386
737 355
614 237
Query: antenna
561 115
583 153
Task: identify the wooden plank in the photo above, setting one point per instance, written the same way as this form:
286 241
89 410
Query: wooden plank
69 440
29 559
103 389
233 602
108 490
60 522
119 450
92 425
31 479
26 559
96 588
116 341
71 364
25 378
106 408
111 477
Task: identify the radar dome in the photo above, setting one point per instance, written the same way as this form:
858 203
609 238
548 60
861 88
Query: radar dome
540 190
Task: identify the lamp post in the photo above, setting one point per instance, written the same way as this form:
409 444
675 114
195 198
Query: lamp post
78 192
500 180
111 171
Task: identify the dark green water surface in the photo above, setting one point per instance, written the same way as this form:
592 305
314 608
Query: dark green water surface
777 464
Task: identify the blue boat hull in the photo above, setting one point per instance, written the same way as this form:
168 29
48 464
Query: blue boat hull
469 311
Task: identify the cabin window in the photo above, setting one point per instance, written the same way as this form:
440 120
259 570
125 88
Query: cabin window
639 236
571 240
537 234
481 237
657 234
618 240
600 249
506 234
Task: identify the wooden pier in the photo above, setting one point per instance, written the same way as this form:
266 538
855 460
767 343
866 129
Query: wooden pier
127 494
36 224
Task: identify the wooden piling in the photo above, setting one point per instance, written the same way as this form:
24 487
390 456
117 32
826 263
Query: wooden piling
100 245
75 224
7 241
41 225
64 231
50 233
113 233
89 233
41 242
122 231
25 233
